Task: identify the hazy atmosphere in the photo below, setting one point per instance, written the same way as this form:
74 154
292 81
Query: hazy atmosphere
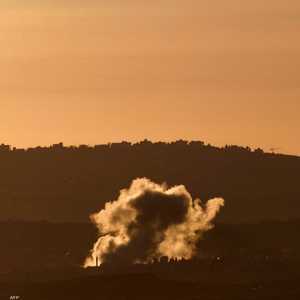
149 149
100 71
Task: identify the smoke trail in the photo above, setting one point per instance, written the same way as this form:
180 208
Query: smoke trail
149 221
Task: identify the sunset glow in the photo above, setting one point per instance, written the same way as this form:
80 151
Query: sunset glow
102 71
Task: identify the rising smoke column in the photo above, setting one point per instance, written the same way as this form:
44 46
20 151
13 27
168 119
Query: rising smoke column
149 221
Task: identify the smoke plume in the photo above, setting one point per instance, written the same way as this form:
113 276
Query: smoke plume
149 221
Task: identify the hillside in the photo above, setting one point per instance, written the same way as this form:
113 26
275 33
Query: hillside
60 183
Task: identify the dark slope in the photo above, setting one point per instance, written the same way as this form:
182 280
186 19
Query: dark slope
67 183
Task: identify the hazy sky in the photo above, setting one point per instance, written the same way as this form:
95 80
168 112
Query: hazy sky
98 71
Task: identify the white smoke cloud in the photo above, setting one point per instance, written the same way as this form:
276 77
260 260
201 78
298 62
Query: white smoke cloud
149 221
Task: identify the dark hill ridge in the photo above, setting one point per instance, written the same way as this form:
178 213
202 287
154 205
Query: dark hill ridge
60 183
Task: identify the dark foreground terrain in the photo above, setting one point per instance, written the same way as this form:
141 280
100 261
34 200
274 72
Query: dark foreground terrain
193 280
151 287
246 261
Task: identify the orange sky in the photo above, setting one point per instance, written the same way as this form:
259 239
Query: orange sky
100 71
